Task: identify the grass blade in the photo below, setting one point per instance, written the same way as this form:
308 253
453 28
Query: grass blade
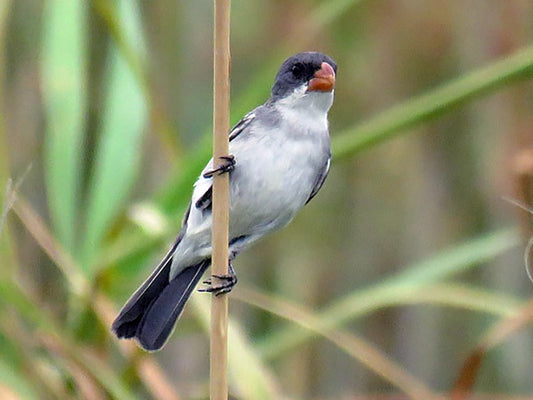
353 345
63 83
441 266
119 147
148 370
11 293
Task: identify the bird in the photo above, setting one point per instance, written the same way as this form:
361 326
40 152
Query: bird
279 157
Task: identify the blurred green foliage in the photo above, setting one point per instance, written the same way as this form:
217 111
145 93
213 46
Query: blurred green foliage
110 102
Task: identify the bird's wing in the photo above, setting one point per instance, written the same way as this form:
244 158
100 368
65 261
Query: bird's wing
203 193
241 125
320 180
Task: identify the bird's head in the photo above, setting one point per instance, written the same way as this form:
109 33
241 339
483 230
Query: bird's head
308 75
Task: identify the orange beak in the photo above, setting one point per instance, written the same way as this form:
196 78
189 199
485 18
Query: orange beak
324 80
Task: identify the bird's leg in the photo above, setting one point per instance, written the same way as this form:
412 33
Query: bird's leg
225 285
228 163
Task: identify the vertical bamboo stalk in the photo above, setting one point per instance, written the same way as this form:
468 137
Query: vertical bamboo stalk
219 304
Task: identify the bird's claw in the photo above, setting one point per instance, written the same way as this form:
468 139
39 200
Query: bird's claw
225 283
226 166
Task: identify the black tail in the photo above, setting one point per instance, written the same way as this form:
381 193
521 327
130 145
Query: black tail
151 312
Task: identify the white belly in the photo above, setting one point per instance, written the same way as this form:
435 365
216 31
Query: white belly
274 175
269 187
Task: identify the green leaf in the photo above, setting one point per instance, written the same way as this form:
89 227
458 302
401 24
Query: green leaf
64 80
120 142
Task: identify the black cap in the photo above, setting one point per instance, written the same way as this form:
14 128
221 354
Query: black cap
298 70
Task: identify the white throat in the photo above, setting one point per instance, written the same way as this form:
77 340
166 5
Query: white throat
309 108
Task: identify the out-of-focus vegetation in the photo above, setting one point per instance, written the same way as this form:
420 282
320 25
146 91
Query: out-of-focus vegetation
407 261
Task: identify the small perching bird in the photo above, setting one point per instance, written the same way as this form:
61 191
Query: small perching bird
280 157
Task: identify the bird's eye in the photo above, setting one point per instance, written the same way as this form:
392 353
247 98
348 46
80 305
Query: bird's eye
297 70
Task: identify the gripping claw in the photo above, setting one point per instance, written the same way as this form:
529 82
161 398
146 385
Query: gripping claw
227 165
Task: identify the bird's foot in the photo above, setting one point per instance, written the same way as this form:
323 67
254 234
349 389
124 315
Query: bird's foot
228 163
225 283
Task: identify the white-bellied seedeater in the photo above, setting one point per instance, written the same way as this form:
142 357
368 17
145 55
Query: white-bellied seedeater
279 158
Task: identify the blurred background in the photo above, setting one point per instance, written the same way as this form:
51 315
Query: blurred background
409 259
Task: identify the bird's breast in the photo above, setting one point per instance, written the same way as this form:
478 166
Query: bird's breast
273 178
